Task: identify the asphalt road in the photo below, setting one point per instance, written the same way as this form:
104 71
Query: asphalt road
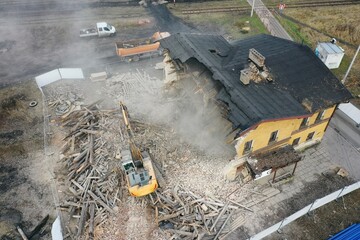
342 143
346 128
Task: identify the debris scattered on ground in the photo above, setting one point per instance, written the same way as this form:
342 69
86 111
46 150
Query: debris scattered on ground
185 215
93 178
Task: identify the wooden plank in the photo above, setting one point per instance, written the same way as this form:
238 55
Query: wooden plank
93 195
91 222
224 224
219 216
242 206
169 216
82 219
177 198
22 234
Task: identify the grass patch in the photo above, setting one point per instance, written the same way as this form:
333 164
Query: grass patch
210 4
341 70
234 25
342 23
294 30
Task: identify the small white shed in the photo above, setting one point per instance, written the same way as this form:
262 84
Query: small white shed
330 53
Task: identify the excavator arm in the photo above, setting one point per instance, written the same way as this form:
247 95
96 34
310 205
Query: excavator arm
135 151
140 173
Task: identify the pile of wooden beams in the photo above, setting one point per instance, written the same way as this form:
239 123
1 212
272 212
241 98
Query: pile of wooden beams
186 215
94 180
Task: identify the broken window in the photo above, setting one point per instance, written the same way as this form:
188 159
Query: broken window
310 136
273 136
248 146
320 116
304 122
296 141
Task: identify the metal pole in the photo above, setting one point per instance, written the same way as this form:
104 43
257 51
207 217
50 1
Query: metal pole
310 209
252 8
294 169
279 229
274 176
352 62
340 192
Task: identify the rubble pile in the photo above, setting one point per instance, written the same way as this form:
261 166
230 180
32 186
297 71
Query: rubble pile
133 87
94 180
185 215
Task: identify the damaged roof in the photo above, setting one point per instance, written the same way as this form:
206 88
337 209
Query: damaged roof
274 159
301 84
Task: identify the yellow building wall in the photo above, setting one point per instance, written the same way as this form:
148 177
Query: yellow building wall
288 130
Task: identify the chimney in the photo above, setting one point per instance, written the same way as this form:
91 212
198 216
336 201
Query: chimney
245 76
256 57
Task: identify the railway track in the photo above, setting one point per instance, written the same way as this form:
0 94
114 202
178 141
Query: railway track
290 5
65 19
55 6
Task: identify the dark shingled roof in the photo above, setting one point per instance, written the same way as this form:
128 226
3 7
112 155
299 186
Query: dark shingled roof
299 76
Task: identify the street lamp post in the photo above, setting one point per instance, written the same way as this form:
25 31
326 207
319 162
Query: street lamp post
252 8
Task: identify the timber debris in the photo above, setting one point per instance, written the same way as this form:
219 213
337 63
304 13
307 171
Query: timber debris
94 180
185 215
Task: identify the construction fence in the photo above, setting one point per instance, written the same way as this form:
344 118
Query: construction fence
306 210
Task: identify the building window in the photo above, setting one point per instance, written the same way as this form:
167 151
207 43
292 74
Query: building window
296 141
310 136
320 116
273 136
304 122
248 146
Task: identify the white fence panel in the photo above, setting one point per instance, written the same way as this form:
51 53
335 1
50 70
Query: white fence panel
47 78
58 74
350 188
298 214
316 204
71 73
324 200
266 232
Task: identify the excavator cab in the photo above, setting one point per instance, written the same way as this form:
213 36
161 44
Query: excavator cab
127 163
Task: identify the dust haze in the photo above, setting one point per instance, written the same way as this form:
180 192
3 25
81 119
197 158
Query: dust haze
39 36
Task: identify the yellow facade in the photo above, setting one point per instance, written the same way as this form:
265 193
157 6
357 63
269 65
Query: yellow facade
287 131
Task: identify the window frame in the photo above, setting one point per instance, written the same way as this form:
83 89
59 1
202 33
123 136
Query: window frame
312 136
248 149
304 122
320 116
297 143
273 139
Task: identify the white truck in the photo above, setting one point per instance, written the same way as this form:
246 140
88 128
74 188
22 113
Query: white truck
102 29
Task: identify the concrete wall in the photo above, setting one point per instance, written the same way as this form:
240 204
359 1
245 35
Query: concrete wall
288 130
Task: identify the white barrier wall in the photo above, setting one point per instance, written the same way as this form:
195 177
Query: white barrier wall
58 74
316 204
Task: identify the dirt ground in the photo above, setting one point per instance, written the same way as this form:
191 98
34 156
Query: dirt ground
37 40
25 185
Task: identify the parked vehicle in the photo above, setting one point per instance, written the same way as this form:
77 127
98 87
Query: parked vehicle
102 29
349 111
133 50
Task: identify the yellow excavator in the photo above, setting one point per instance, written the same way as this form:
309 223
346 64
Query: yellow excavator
136 164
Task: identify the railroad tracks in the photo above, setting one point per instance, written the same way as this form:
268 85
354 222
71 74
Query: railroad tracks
56 6
48 12
65 19
290 5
